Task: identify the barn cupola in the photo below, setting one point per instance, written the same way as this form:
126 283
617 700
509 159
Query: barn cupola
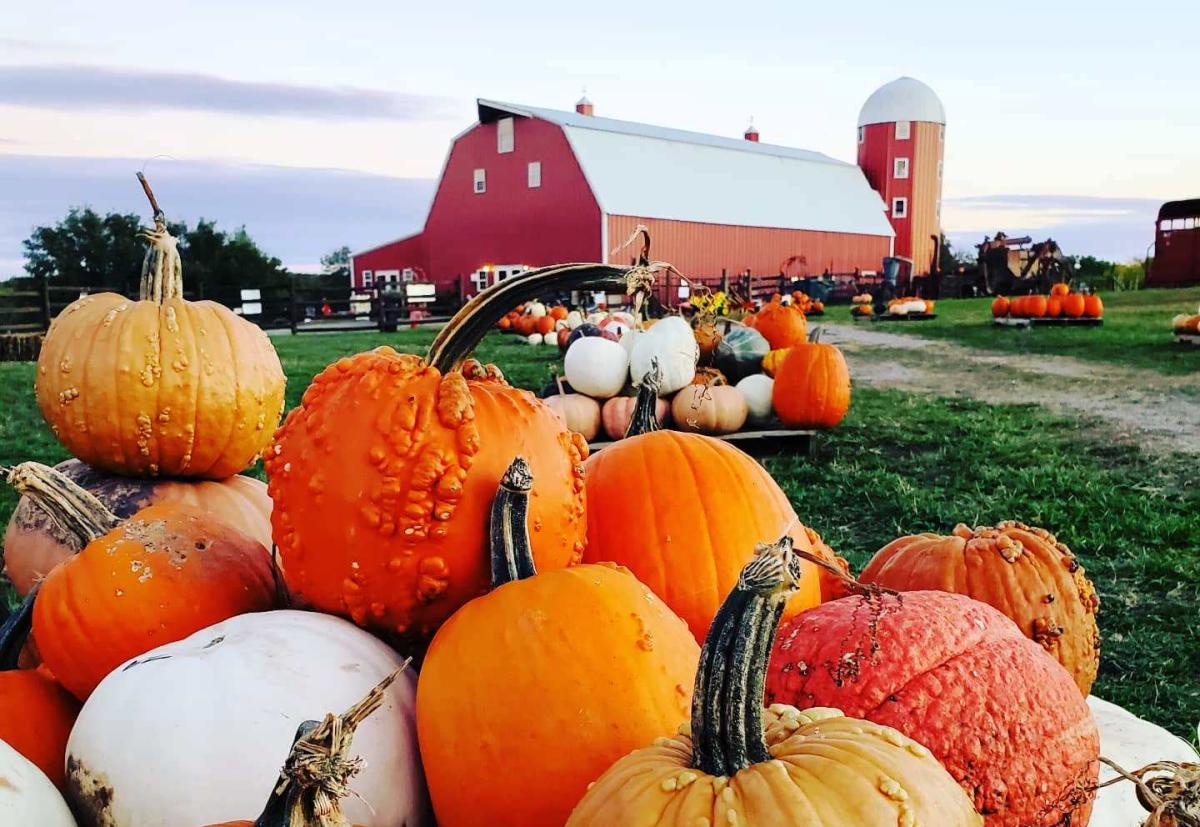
901 141
584 106
751 133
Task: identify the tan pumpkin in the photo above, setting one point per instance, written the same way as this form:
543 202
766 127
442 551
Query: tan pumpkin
160 386
709 409
579 413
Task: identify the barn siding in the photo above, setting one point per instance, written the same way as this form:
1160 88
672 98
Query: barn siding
697 249
395 255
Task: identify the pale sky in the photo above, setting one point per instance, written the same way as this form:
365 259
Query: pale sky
317 123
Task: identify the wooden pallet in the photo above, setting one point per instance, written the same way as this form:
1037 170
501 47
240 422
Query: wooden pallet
1192 339
759 443
903 317
1058 321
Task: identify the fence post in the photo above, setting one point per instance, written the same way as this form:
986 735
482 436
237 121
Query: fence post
292 302
46 315
462 290
724 281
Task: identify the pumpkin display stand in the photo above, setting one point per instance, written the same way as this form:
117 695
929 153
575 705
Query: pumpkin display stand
1192 339
899 317
1047 321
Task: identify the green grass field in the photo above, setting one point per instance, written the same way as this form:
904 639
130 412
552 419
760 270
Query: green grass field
1136 330
904 463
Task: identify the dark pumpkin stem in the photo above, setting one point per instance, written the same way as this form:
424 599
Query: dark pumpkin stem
645 410
814 338
508 530
15 631
727 728
318 769
75 510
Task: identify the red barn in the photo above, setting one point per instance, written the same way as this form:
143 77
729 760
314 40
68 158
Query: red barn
526 187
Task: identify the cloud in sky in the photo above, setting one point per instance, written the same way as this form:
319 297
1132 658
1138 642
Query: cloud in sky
295 214
74 88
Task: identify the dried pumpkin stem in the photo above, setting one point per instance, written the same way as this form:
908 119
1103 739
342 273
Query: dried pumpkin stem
645 410
74 510
508 530
162 268
727 728
315 778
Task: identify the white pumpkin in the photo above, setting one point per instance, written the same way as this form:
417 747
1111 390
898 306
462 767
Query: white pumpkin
561 324
211 717
534 338
596 366
574 319
624 318
756 389
550 339
1132 743
536 309
672 343
630 339
597 317
27 796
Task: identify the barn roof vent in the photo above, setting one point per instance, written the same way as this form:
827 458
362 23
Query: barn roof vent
751 132
584 106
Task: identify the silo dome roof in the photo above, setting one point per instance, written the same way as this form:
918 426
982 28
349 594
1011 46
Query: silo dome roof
904 99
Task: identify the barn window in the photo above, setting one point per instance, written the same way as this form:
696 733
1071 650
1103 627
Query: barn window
408 274
900 168
368 277
480 181
903 130
899 208
504 135
1165 224
862 134
535 174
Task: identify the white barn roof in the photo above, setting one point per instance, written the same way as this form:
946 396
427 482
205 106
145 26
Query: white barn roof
655 172
904 99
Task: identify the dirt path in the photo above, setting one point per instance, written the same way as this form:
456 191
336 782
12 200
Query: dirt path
1162 412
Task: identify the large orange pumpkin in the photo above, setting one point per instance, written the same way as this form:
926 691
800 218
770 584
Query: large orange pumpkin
683 512
812 386
34 543
741 765
1000 307
1093 307
1073 305
160 386
553 676
157 577
1024 572
780 324
383 476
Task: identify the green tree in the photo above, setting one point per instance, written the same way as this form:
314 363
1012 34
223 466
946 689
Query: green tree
337 263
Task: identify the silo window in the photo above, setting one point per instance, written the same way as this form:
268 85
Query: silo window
480 181
504 135
535 174
900 168
903 130
862 134
899 208
939 170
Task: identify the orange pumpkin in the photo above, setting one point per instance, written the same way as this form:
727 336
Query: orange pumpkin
812 386
1060 289
36 714
505 324
707 337
531 695
1054 307
1035 307
781 325
157 577
34 543
544 325
1024 572
558 312
383 476
1073 305
1000 307
1093 307
687 536
160 386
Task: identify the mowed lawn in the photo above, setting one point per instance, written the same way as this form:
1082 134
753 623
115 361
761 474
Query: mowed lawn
903 463
1136 330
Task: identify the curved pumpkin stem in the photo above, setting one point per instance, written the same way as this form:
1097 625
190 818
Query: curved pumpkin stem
316 775
512 555
645 410
162 268
75 510
15 631
1169 791
727 728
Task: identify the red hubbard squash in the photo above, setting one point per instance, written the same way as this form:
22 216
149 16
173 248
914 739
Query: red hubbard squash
34 543
383 476
1073 305
1000 307
683 512
1093 307
154 578
782 325
1021 571
812 386
1002 716
741 765
553 676
161 386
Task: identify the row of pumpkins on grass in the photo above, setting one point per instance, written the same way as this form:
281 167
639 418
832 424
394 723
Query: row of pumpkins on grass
861 305
163 660
1061 302
1186 324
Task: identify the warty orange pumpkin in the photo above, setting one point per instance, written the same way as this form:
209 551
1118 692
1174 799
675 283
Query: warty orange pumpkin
695 527
739 764
812 386
153 578
383 476
551 676
1024 572
161 386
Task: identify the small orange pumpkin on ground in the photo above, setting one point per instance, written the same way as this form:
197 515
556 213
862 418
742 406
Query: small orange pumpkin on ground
1024 572
812 386
1000 307
1093 307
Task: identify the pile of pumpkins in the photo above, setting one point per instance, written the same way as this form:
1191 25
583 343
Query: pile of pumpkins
910 305
1186 325
806 304
713 376
1061 303
596 635
539 323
